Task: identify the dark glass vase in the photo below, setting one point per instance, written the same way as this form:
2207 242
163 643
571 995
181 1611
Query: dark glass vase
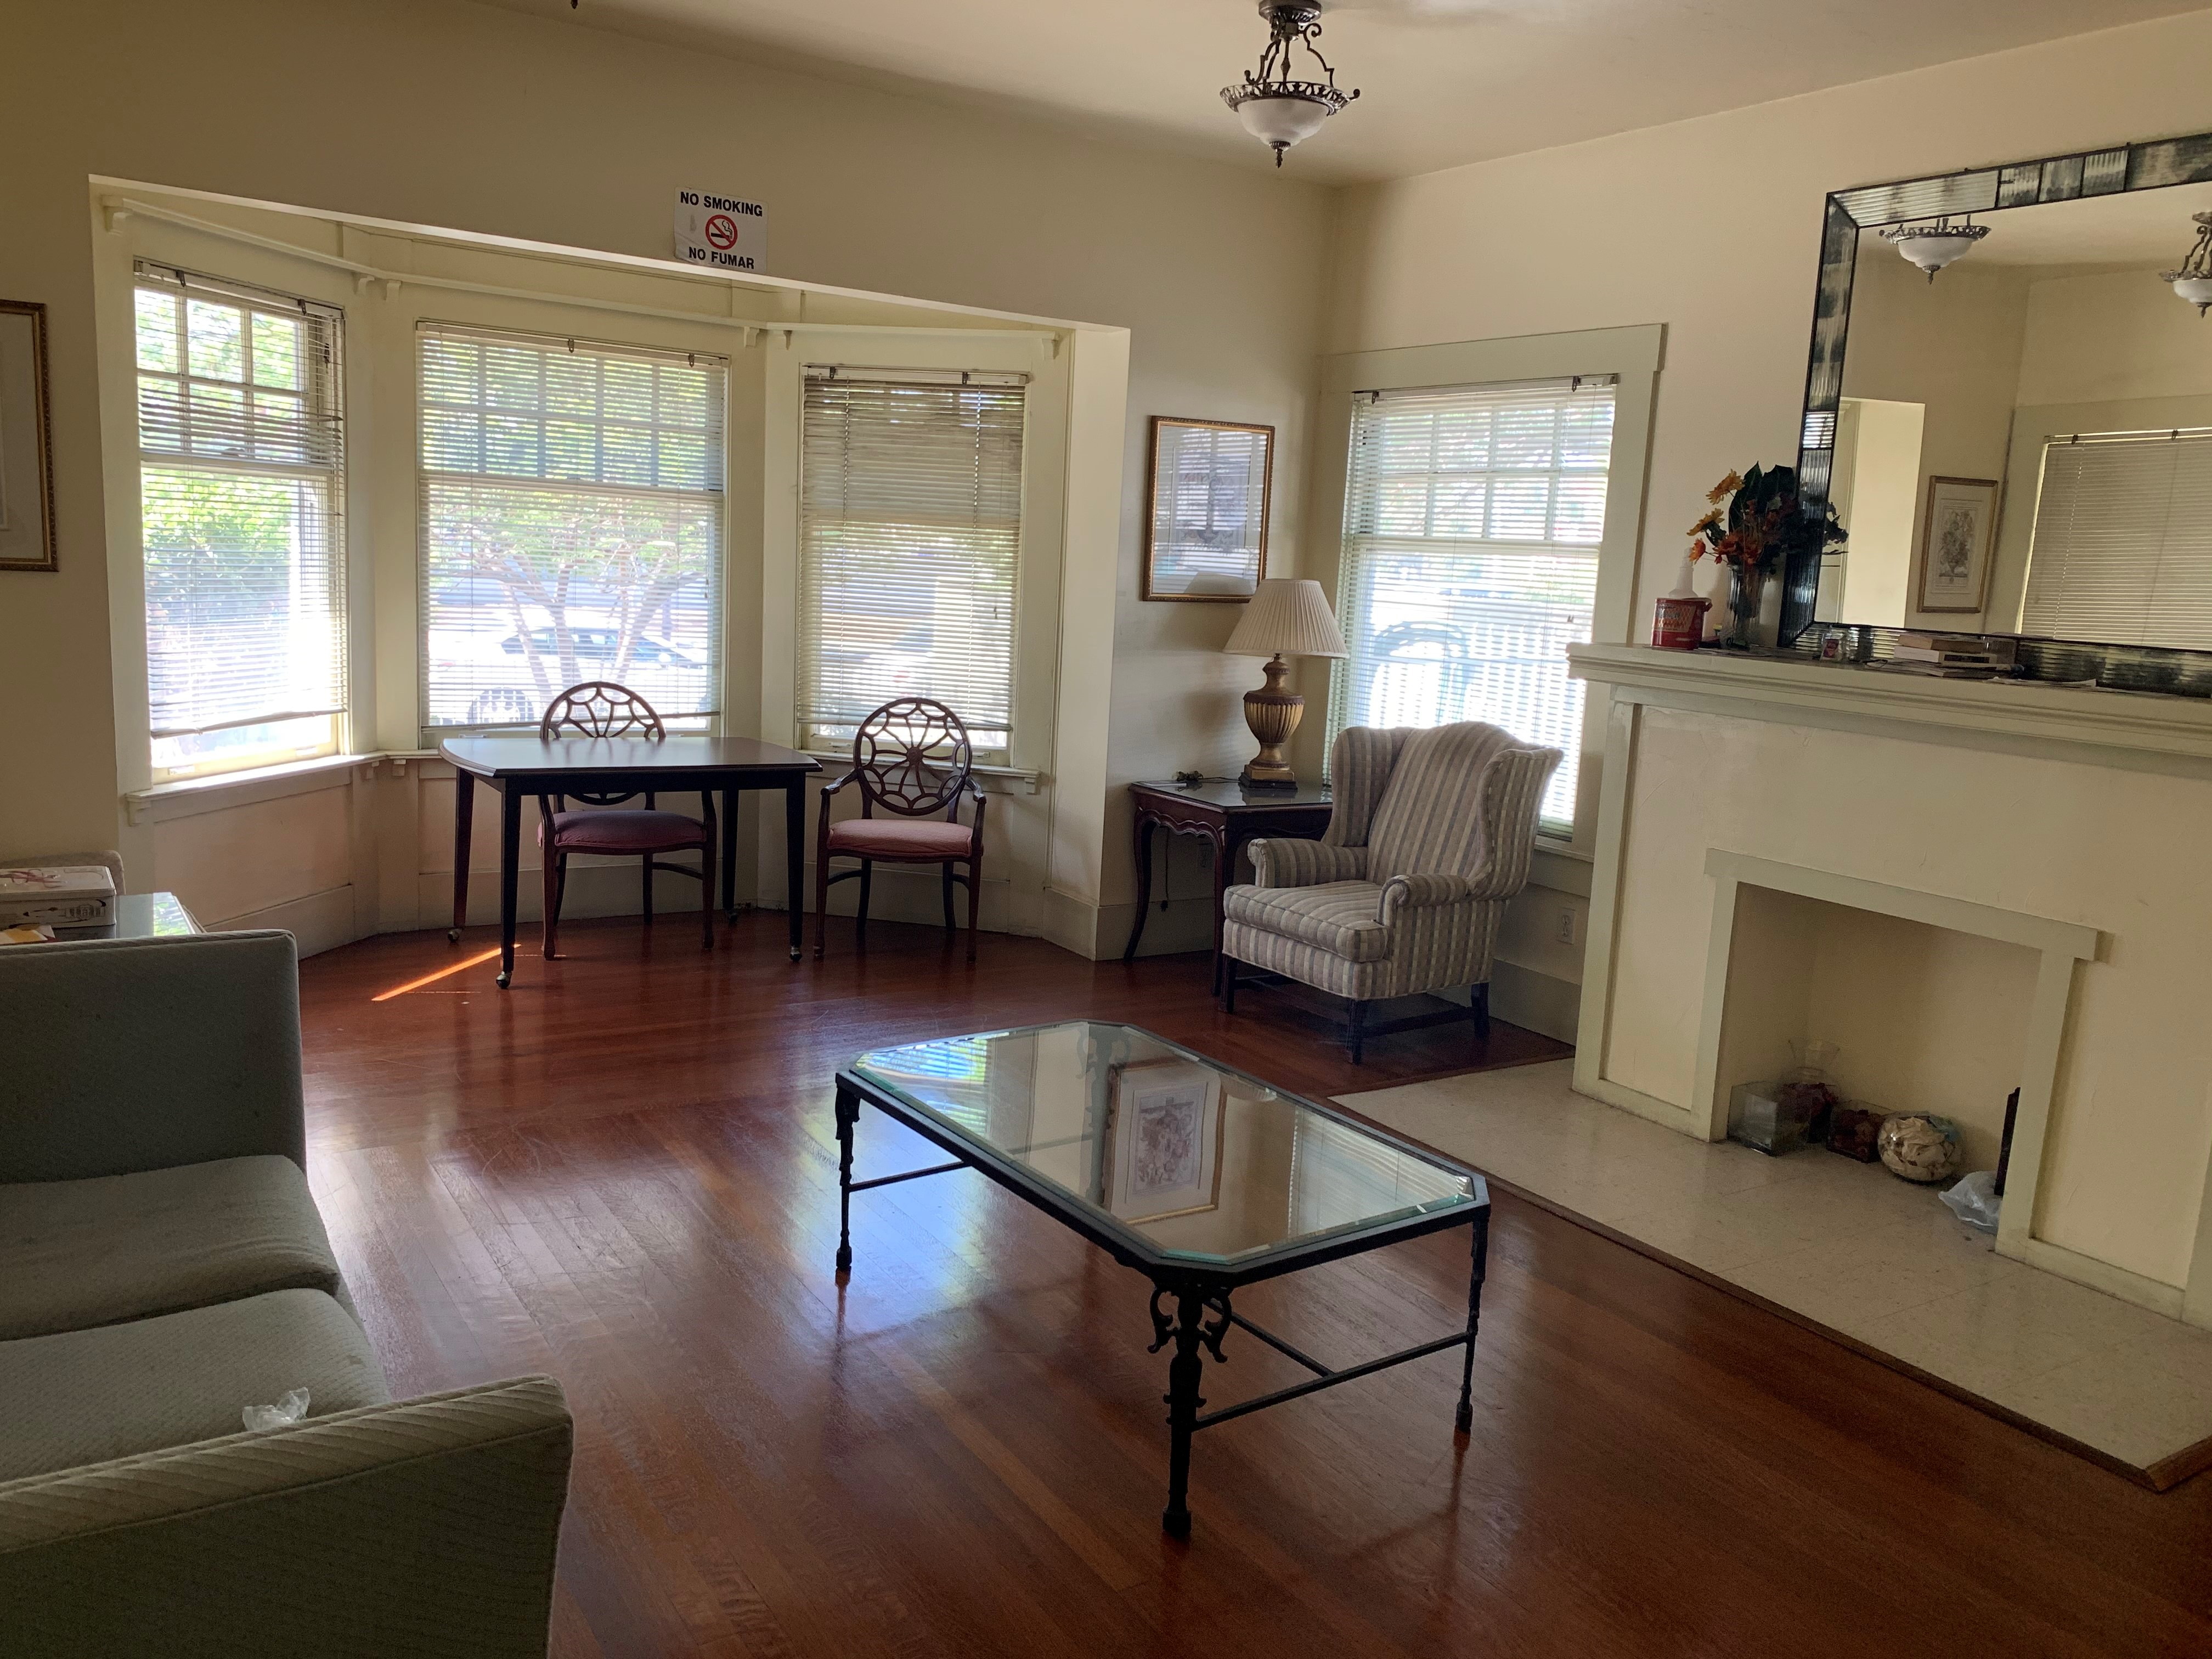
1747 587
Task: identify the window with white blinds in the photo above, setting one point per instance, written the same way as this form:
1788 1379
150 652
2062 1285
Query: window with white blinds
2121 548
910 531
572 525
1472 522
241 476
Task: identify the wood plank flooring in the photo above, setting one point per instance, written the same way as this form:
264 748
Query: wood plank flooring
622 1172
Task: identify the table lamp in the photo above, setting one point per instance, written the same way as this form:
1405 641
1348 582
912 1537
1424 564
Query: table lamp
1289 616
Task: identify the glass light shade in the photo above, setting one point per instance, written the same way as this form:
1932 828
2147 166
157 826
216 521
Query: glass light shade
1932 250
2197 290
1281 121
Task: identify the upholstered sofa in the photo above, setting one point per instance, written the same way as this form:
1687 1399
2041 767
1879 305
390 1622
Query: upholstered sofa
162 1267
1431 836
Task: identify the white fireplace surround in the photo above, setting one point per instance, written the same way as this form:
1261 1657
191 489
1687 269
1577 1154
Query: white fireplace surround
2073 824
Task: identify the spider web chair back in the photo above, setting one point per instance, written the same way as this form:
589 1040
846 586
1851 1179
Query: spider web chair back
913 756
600 708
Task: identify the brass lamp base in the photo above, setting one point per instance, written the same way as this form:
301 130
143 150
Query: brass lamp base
1273 714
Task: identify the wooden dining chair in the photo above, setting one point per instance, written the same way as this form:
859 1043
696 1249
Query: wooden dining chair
910 758
600 708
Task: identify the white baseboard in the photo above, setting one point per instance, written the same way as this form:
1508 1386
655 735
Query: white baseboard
320 921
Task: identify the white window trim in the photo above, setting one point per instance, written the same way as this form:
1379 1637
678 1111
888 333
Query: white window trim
1634 355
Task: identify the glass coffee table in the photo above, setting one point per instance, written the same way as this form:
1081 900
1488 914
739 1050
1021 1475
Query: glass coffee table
1202 1178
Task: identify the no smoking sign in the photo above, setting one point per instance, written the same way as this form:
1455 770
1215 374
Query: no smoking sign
726 231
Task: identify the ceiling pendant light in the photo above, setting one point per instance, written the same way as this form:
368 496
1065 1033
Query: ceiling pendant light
2193 282
1931 247
1274 108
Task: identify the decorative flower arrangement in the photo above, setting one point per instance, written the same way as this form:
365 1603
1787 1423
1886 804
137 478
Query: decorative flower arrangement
1753 524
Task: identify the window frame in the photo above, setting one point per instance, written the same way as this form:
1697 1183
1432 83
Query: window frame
1633 355
324 397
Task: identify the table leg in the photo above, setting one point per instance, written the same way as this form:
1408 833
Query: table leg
1224 862
794 856
465 816
1189 1332
1463 1420
848 1115
510 854
729 856
1144 838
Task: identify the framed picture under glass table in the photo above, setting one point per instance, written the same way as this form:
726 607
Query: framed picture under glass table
1202 1178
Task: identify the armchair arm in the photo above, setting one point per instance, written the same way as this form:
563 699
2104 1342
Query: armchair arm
973 791
1288 862
1421 892
425 1528
131 1055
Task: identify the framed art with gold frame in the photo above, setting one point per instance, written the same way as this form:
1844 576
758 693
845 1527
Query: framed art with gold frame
1956 535
1206 489
27 462
1163 1140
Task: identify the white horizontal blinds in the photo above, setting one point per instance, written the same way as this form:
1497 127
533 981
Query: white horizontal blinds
242 475
2122 550
910 529
1472 516
1341 1177
572 525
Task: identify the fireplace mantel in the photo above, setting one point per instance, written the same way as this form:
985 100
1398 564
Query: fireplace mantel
2141 729
2052 807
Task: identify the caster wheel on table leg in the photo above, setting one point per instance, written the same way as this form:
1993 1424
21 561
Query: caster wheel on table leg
504 980
452 936
795 953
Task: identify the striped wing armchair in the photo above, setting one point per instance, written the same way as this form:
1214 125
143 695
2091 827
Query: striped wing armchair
1431 836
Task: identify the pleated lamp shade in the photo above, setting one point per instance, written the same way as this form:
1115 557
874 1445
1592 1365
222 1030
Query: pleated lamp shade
1289 616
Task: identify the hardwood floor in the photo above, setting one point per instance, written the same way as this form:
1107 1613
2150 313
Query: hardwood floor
623 1172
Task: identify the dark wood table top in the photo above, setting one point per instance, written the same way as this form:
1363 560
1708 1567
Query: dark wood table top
1231 796
520 755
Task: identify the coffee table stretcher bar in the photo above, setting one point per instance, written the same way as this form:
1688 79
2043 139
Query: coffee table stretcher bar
1194 1293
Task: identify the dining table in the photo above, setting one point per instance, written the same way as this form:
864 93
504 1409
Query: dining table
520 767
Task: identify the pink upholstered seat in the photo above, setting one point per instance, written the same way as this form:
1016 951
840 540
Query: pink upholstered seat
625 831
923 839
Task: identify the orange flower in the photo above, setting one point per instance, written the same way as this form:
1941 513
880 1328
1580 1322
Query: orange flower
1727 486
1706 523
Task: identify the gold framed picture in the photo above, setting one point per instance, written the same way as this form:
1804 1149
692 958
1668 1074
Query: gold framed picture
1206 486
1955 538
27 463
1163 1140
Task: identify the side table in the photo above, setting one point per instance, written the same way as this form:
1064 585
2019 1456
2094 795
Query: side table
1224 814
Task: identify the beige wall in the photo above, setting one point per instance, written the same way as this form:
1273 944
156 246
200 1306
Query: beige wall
1712 228
455 116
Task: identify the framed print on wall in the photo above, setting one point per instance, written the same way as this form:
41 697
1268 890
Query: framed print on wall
1956 539
27 469
1162 1141
1205 523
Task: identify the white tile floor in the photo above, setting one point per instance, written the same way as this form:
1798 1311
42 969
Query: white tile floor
1845 1244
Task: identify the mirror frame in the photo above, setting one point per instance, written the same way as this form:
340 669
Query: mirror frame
2152 164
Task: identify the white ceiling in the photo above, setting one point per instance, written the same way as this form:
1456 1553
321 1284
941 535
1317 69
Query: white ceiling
1445 81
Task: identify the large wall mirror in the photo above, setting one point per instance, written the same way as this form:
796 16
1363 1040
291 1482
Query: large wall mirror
2022 443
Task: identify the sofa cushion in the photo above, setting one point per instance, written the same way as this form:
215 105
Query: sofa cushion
1335 916
85 1396
75 1254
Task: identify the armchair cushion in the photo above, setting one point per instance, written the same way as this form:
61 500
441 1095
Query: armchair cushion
1290 863
85 1396
1340 917
77 1253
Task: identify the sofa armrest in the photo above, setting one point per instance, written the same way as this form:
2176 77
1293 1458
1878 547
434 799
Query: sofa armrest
1421 892
426 1528
131 1055
1286 862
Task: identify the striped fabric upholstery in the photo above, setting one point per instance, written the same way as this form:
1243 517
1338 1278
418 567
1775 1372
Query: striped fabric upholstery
1433 832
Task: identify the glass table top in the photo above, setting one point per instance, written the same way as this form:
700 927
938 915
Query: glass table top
1196 1160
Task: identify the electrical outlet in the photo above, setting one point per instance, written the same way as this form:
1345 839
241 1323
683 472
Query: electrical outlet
1565 930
